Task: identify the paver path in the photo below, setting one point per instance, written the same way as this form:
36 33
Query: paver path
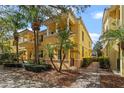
90 76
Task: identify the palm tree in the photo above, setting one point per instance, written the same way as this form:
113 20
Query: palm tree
36 15
116 36
63 45
49 48
97 48
14 21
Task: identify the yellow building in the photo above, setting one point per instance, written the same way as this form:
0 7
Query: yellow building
70 22
113 18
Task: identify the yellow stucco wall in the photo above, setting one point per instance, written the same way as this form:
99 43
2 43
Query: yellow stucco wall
112 19
77 27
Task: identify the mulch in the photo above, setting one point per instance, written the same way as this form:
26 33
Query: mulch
64 79
111 81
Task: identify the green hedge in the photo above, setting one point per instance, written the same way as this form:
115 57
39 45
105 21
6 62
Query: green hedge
7 58
18 65
104 62
37 68
86 62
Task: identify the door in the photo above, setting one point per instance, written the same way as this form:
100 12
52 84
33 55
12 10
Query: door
118 65
72 62
122 65
71 58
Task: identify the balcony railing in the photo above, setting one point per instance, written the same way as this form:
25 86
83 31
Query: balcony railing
115 23
25 41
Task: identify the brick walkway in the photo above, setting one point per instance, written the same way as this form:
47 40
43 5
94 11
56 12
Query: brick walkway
89 77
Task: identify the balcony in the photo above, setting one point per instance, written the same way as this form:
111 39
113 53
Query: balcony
114 23
50 34
23 42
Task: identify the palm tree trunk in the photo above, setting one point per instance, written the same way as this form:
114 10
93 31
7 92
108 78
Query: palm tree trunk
2 47
61 64
60 55
17 50
37 47
120 59
36 28
35 50
54 64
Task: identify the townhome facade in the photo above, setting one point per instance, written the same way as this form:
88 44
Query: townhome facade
113 18
67 21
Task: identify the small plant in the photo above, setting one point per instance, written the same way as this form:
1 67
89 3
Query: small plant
7 58
86 62
104 62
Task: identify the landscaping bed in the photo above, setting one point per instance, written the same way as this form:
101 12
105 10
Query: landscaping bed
111 81
17 77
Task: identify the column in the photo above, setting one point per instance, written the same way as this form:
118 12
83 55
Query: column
56 27
67 22
116 12
47 31
121 15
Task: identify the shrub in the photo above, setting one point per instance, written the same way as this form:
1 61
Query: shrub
18 65
86 62
1 62
7 57
94 59
104 62
37 68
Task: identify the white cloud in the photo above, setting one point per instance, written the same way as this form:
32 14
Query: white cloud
94 37
97 15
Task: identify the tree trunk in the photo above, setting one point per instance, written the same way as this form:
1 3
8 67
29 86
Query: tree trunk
37 47
35 50
120 59
17 50
2 47
60 55
54 65
61 64
16 43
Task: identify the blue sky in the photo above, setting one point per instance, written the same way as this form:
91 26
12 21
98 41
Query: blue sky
92 19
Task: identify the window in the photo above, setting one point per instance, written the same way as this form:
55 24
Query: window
41 53
41 38
82 36
52 32
89 44
82 51
89 54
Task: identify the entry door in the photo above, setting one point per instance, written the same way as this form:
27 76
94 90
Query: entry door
122 67
72 62
71 59
118 65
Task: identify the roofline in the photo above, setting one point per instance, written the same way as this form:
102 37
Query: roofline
60 14
26 30
85 28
